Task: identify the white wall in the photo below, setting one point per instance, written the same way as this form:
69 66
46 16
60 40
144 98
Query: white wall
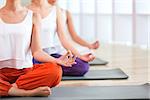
121 21
24 2
2 3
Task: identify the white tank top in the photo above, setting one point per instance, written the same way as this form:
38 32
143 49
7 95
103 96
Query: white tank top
49 37
65 26
15 40
48 29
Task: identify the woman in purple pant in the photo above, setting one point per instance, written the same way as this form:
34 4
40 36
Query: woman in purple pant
52 26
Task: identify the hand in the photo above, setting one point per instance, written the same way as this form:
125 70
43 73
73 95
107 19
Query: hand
67 60
87 57
94 45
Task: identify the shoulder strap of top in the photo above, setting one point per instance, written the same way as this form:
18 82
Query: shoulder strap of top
30 12
54 9
29 15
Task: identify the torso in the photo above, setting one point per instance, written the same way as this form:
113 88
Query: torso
49 27
15 38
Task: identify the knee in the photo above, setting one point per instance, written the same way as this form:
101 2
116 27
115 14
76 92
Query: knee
54 74
83 68
46 74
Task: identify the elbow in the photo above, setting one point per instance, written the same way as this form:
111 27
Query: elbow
35 53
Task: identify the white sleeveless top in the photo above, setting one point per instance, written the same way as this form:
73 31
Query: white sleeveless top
49 37
15 40
48 29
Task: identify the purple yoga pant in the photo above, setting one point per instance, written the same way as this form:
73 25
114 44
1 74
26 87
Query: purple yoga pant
79 69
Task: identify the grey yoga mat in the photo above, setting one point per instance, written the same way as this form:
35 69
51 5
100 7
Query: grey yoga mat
107 74
95 92
98 61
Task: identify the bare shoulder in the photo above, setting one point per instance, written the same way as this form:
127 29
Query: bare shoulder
68 14
31 7
36 16
67 11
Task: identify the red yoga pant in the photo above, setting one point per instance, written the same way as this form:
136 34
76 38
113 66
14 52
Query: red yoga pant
46 74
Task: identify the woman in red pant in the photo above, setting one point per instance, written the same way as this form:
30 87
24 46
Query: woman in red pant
19 41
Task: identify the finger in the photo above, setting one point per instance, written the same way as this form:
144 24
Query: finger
97 41
92 58
69 54
47 92
88 54
70 61
68 65
66 58
73 59
97 44
74 63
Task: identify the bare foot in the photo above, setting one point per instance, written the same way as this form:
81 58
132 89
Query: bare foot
41 91
14 85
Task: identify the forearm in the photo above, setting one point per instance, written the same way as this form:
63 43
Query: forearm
43 57
80 41
73 33
68 46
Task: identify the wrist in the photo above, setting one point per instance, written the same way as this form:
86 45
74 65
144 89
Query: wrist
79 55
57 60
89 46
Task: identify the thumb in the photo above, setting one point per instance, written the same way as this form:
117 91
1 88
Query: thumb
88 54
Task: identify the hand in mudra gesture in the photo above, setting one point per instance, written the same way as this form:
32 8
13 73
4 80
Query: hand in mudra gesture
67 60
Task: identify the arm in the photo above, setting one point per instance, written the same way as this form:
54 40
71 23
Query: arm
61 34
72 31
75 36
66 44
37 51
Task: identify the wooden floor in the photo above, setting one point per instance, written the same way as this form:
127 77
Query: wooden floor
132 60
